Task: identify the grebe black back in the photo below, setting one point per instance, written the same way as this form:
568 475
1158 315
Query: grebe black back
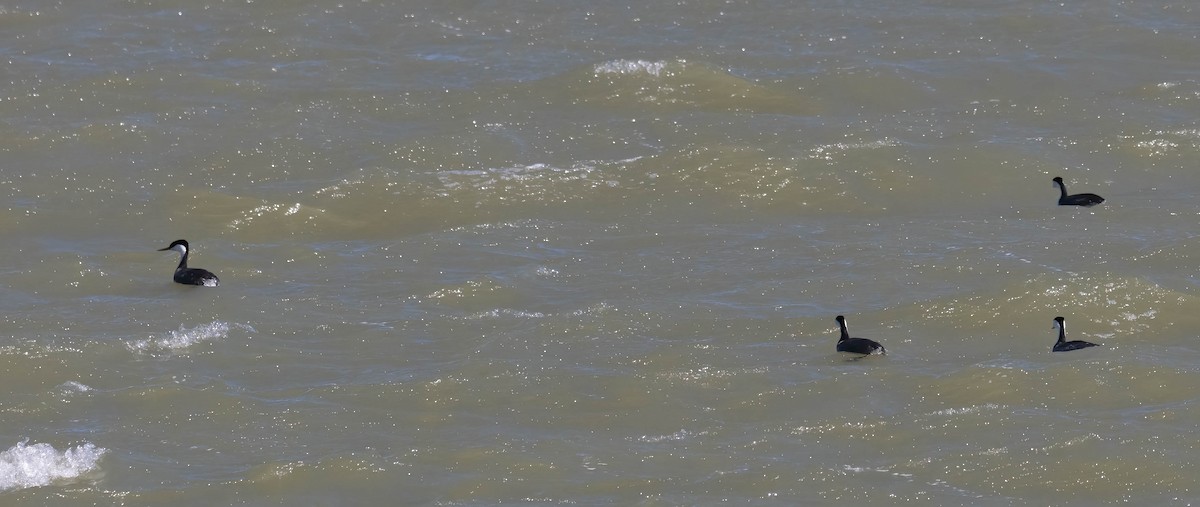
856 345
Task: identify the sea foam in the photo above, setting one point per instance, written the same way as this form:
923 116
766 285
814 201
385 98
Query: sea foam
185 337
27 466
630 67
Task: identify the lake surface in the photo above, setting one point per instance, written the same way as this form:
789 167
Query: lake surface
590 253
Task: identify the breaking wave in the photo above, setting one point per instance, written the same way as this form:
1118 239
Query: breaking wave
186 337
631 67
26 466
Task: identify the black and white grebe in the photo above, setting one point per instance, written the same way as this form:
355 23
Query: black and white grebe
856 345
1062 345
1076 199
186 275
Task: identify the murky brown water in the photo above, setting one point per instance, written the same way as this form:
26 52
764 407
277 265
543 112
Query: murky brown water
475 253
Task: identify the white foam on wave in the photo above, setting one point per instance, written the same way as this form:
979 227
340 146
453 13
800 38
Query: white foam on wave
275 209
534 179
186 337
682 434
506 312
631 67
487 178
990 407
827 151
26 466
71 386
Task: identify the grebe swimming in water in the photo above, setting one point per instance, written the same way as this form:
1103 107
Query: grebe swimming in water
856 345
1076 199
1062 345
186 275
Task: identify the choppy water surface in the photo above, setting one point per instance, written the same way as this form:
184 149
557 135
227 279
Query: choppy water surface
590 253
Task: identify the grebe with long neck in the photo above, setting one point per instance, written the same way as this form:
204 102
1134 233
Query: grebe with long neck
1062 345
186 275
856 345
1075 199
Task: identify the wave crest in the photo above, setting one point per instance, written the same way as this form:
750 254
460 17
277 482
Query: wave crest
631 67
26 466
185 337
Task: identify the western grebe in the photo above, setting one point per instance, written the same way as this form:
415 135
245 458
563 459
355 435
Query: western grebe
1076 199
186 275
1062 345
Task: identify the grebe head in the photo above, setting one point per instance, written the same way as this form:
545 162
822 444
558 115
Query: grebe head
179 245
